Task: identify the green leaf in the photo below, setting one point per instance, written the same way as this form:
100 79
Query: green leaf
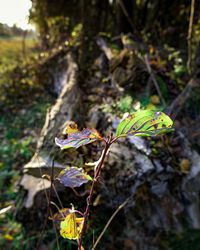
144 123
73 177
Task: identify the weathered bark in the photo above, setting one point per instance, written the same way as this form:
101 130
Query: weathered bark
94 20
47 155
64 109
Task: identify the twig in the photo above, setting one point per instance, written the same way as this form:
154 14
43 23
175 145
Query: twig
56 233
53 203
146 60
49 211
181 99
54 188
48 205
126 13
189 37
95 180
104 47
109 221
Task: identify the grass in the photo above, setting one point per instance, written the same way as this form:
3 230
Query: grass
11 49
23 110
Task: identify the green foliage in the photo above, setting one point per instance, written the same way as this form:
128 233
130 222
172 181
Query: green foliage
5 31
145 100
11 151
125 104
17 73
6 175
58 28
17 146
14 31
10 232
76 35
144 123
11 51
179 68
163 87
14 237
23 109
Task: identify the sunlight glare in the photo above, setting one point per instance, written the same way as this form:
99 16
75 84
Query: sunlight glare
15 12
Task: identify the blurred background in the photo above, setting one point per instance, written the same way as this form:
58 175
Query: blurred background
91 61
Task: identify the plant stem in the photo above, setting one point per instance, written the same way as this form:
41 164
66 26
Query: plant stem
89 198
109 221
153 78
189 37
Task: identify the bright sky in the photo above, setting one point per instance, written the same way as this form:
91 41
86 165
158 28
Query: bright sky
15 12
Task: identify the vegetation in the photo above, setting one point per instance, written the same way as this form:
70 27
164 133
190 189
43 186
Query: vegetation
19 115
141 123
138 65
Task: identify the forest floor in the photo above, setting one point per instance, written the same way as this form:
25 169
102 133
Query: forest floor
23 111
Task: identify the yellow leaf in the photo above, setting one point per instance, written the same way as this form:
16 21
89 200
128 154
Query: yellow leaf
71 227
70 127
185 166
94 134
151 50
8 237
155 99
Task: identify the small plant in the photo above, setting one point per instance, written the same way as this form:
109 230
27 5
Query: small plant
141 123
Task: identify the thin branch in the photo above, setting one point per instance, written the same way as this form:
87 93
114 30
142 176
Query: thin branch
126 14
146 60
53 203
54 188
109 222
104 47
48 205
189 37
181 99
49 211
89 198
56 233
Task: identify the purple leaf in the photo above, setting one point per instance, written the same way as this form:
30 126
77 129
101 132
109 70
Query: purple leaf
73 177
78 139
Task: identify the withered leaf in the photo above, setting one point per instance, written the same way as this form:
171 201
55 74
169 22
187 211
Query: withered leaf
73 177
78 139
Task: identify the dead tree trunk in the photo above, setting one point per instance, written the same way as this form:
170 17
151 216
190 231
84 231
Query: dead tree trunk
64 109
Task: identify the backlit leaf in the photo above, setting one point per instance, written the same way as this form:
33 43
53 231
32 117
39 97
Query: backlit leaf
145 123
71 226
76 138
73 177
